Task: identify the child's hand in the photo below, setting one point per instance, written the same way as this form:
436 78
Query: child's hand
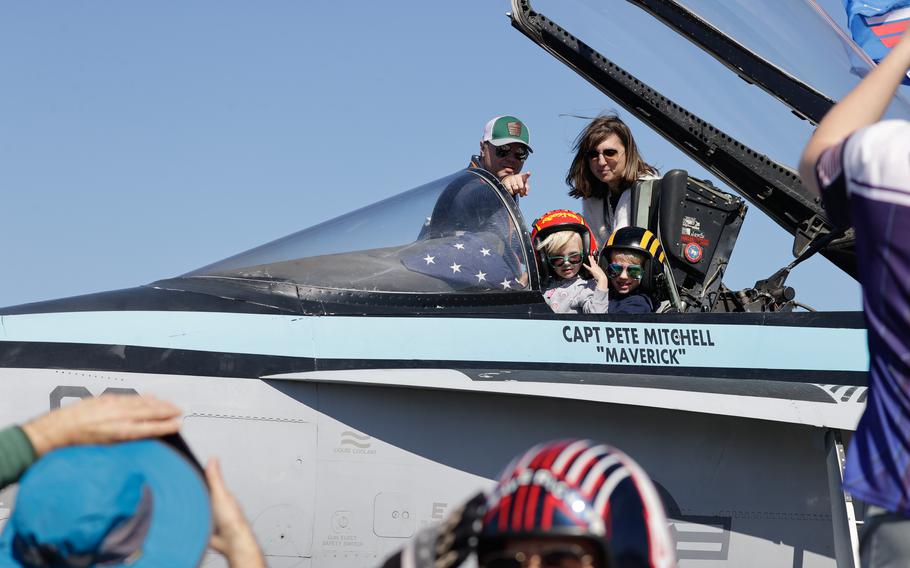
603 283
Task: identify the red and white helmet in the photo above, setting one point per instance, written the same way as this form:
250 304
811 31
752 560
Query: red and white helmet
581 489
561 220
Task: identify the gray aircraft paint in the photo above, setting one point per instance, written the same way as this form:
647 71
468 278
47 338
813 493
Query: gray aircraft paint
336 473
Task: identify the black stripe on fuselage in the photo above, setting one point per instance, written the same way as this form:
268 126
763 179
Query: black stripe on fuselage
154 360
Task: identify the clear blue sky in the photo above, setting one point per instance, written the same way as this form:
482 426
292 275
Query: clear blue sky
141 140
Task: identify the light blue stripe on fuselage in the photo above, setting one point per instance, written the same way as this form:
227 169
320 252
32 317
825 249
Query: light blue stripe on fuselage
197 331
456 339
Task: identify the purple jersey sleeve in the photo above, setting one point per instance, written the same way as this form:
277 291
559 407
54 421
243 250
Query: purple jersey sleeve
865 182
831 180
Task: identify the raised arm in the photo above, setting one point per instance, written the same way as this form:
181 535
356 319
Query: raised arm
233 536
103 420
862 106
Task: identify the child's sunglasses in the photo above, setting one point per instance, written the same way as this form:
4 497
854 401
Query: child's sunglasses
614 270
557 261
521 151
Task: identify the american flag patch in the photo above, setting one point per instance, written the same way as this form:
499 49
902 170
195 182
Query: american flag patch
467 262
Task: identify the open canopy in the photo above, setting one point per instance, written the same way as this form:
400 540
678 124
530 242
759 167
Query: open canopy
661 42
649 56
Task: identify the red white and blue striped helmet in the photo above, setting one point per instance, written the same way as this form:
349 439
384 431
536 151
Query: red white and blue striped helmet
579 488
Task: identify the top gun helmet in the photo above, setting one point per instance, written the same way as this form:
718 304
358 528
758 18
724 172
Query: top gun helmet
643 242
562 220
576 491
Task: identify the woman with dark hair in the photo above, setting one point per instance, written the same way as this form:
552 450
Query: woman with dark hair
606 165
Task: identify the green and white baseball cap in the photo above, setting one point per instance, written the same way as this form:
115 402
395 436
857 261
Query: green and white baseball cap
506 130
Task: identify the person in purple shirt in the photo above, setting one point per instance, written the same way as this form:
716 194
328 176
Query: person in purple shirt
860 166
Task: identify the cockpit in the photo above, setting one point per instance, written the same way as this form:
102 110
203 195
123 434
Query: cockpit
461 241
459 234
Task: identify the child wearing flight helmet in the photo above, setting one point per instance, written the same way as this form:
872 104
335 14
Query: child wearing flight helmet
630 257
563 241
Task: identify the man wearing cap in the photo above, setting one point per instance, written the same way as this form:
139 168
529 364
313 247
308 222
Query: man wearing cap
504 147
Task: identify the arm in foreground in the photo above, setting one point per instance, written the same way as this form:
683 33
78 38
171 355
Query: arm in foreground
233 536
106 419
16 454
103 420
862 106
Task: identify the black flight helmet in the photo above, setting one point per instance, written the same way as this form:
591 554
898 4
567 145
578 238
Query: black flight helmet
640 241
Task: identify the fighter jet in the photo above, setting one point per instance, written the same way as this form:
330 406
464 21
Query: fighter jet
358 388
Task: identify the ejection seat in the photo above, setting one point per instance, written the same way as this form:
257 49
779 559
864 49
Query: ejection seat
698 225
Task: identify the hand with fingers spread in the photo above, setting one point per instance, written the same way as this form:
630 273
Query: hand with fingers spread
103 420
603 283
232 536
517 184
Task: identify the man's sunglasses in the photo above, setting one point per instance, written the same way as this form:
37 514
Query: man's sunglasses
557 557
521 151
614 270
608 153
557 261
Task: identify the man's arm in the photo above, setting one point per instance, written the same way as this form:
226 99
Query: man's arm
103 420
16 454
233 536
862 106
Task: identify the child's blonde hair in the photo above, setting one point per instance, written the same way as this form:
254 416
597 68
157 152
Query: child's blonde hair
557 240
638 256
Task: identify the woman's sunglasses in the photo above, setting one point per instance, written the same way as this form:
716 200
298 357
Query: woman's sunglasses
615 270
557 261
521 151
608 153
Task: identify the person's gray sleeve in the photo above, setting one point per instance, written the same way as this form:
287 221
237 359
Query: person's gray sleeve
16 455
587 299
598 302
